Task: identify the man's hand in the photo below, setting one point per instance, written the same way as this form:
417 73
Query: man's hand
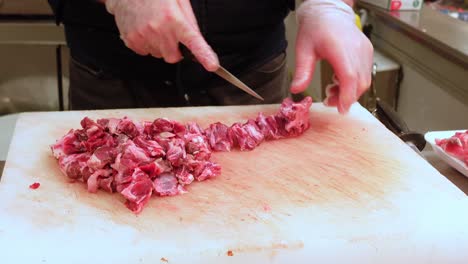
157 27
327 31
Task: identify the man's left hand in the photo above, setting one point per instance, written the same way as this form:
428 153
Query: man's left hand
327 31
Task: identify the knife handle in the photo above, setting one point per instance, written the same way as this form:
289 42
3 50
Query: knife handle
393 121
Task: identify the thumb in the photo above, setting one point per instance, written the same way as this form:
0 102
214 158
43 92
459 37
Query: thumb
305 65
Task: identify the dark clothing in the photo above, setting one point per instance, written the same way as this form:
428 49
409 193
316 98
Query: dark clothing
88 90
244 34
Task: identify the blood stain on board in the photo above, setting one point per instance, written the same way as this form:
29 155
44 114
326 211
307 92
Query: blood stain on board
34 186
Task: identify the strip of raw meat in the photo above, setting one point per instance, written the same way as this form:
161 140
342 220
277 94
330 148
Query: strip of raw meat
456 145
218 137
246 136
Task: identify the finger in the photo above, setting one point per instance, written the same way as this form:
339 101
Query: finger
187 10
156 52
195 42
331 95
331 101
169 49
305 65
365 76
137 43
347 73
347 94
364 83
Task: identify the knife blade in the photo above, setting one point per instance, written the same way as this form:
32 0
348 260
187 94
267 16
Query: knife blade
226 75
223 73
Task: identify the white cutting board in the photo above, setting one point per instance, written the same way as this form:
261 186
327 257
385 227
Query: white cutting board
346 191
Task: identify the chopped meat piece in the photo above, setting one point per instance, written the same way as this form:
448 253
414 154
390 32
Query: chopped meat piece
162 125
179 129
196 143
101 157
94 179
34 186
194 128
109 124
456 145
268 126
75 165
218 137
176 152
137 159
152 148
87 123
166 184
131 157
203 170
272 126
183 175
95 136
138 192
68 144
296 115
156 167
197 146
229 253
128 128
106 183
247 136
210 170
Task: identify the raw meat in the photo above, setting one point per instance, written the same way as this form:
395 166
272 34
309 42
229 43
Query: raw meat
139 160
34 186
456 146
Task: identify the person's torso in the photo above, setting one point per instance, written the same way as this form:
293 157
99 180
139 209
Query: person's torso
241 32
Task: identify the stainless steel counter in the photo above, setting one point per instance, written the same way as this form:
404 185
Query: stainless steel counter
429 27
430 43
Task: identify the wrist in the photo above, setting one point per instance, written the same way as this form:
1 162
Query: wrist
320 7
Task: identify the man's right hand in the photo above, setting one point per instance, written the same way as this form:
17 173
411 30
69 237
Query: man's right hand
157 27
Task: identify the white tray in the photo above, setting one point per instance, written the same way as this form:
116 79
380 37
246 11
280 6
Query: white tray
452 161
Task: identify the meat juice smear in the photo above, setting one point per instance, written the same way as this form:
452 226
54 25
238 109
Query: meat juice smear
161 157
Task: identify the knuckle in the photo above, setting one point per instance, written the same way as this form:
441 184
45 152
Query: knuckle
169 16
193 42
171 59
349 74
153 27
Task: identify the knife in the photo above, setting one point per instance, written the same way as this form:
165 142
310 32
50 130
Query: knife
223 73
398 126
